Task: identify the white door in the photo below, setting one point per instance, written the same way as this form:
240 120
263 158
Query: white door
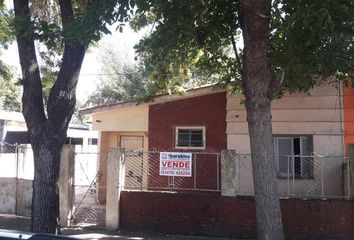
134 165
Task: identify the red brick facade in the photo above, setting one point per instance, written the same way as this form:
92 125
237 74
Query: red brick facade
211 214
208 110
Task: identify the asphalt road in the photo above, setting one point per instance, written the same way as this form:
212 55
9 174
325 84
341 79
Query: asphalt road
22 224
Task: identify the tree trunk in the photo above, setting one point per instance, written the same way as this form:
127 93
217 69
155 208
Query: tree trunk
257 83
47 148
47 133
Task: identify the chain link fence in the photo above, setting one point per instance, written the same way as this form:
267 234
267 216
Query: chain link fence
141 172
89 190
301 176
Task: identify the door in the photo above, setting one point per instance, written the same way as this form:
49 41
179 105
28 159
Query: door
134 164
131 142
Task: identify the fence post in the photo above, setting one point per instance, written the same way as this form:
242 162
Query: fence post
350 169
66 181
114 178
228 173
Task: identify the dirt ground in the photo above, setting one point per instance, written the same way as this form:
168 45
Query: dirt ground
22 224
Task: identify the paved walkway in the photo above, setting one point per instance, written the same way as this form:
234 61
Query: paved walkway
12 222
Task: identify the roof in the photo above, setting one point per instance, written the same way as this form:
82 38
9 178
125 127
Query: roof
156 100
22 137
17 137
11 116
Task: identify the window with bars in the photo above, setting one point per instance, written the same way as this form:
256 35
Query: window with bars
292 154
190 137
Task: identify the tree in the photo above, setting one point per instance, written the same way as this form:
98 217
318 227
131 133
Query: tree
287 46
77 25
120 80
9 91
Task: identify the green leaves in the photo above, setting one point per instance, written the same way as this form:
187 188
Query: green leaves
187 36
312 41
88 24
6 31
9 89
119 80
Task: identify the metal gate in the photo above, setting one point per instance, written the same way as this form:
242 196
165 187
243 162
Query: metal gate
87 207
141 172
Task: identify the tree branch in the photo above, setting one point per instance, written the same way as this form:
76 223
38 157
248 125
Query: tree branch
238 60
232 27
32 98
66 11
62 97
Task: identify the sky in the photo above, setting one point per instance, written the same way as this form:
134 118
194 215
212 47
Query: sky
91 67
88 79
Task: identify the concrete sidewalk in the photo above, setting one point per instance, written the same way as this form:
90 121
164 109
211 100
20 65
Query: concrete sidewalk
22 224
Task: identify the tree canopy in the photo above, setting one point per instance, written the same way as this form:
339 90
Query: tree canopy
9 89
119 79
310 41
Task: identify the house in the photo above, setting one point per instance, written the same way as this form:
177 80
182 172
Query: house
311 132
17 165
13 130
10 121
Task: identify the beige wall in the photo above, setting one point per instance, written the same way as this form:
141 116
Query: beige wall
127 119
107 141
318 115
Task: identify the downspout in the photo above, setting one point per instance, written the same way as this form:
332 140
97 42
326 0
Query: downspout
16 190
341 117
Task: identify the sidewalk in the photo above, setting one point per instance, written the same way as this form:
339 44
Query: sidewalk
22 224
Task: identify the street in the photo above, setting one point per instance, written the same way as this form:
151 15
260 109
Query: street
22 224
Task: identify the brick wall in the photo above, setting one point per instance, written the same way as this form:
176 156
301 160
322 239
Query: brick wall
208 110
211 214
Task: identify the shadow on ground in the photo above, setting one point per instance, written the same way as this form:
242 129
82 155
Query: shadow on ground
22 224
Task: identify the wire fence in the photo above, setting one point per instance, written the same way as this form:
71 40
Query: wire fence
301 176
9 148
89 190
142 172
298 176
16 161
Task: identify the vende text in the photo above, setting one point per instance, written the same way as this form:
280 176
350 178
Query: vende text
176 164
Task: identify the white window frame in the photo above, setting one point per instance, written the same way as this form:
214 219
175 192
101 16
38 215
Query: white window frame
190 128
292 161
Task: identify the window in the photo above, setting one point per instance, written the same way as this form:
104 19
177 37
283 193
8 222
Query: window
92 141
292 156
190 137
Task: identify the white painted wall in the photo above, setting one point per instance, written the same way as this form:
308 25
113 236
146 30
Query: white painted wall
16 175
318 114
128 119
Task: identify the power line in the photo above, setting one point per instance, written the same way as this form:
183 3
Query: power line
124 74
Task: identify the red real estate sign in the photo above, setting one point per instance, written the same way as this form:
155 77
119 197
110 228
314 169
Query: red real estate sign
176 164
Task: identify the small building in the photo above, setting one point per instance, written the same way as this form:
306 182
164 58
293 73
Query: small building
308 128
13 130
17 163
11 122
